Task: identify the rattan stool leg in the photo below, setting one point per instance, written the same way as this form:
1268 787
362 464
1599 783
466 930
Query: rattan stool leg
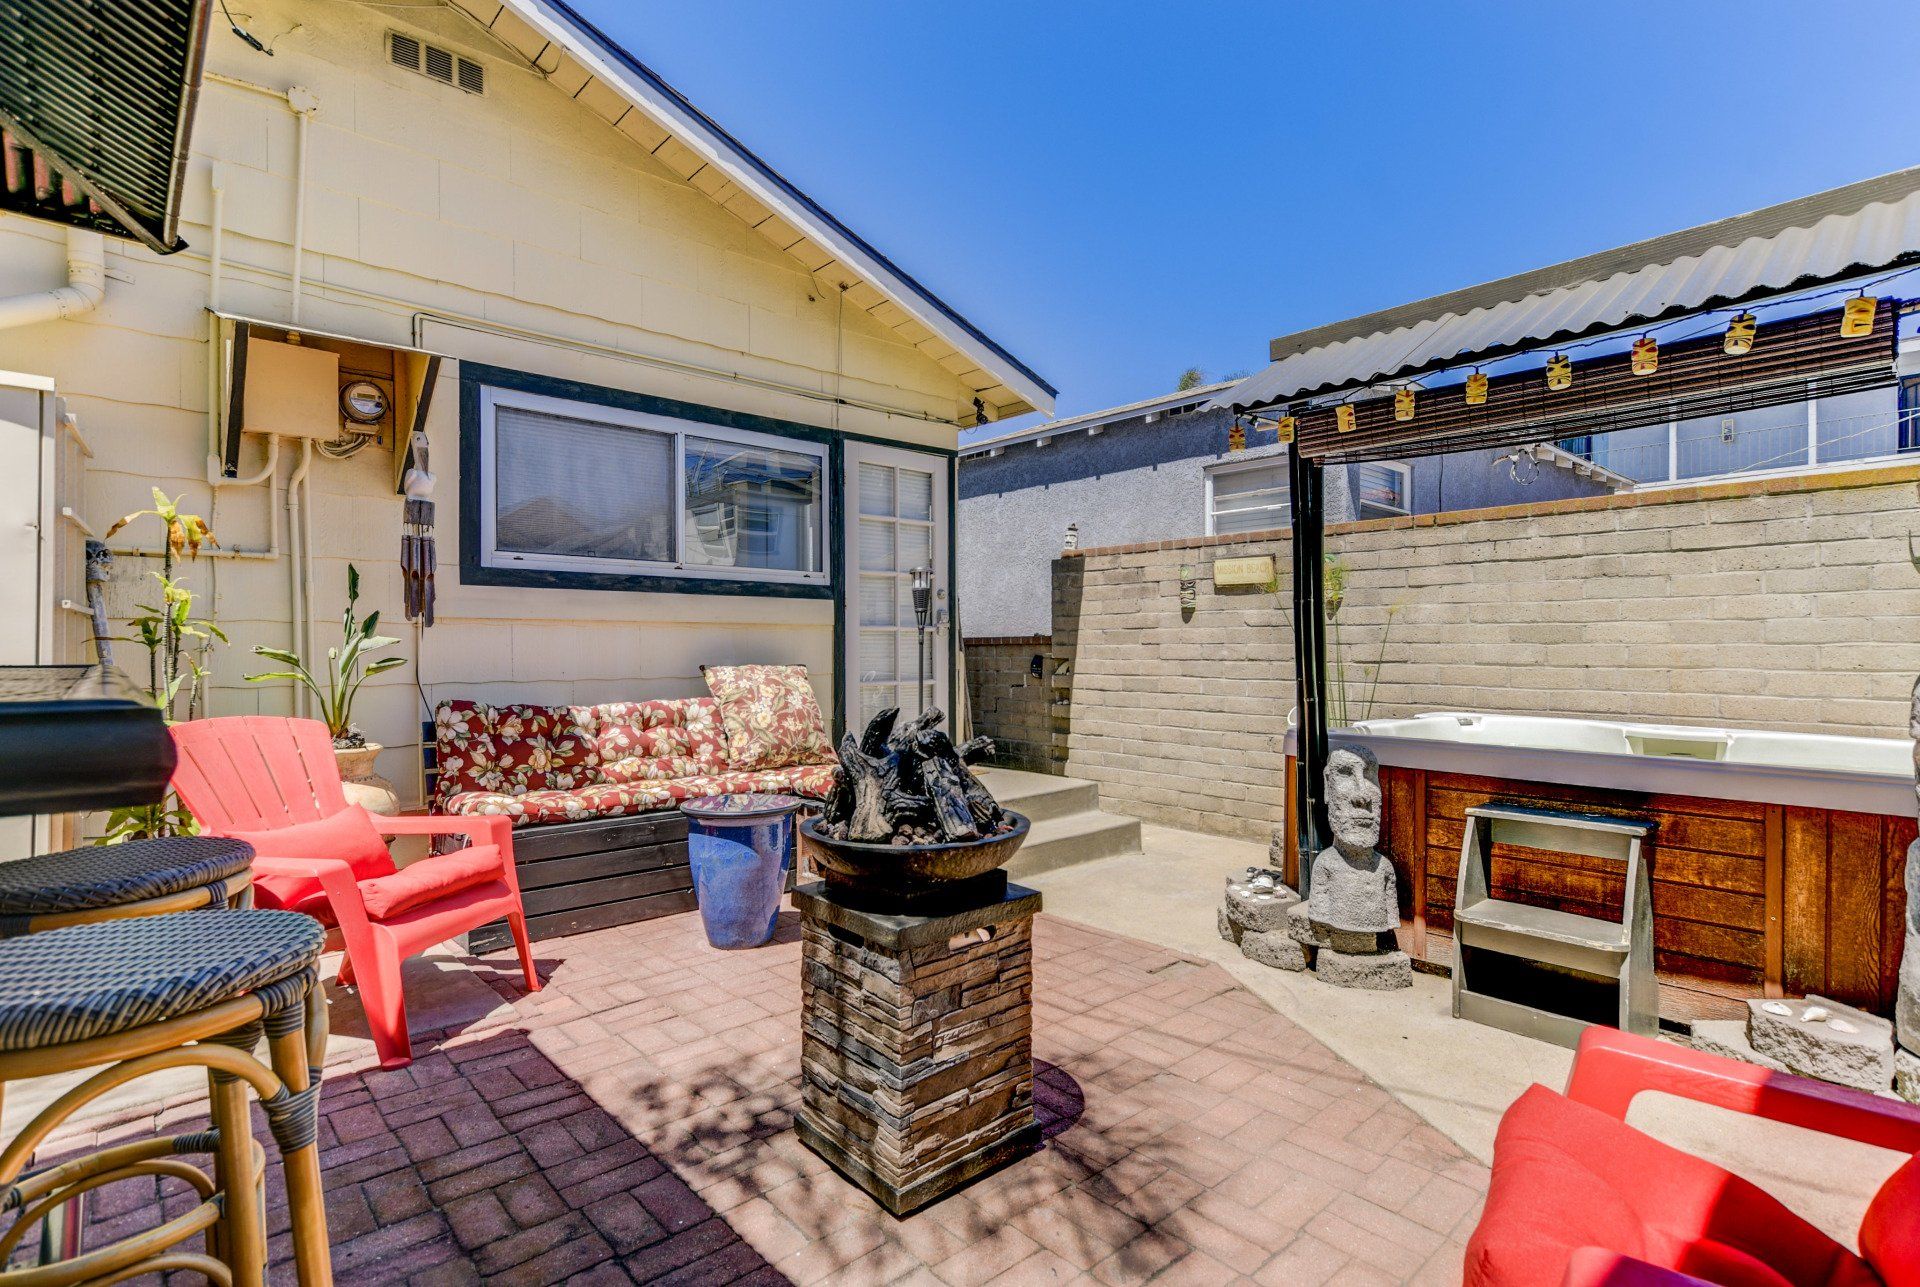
296 1045
243 1239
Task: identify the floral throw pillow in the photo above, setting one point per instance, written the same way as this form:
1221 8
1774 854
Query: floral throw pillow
770 716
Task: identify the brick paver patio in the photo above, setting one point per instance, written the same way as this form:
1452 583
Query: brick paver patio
633 1122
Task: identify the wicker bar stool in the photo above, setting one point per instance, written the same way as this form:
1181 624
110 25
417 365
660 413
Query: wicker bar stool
113 882
133 997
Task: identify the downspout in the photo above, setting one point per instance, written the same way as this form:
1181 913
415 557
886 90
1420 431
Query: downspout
86 286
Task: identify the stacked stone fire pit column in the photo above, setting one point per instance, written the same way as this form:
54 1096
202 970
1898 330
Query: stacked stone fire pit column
917 981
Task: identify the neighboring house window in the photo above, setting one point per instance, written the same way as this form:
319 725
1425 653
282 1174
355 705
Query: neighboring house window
1910 413
1247 498
1380 489
579 487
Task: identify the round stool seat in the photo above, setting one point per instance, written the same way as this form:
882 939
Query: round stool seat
86 981
84 880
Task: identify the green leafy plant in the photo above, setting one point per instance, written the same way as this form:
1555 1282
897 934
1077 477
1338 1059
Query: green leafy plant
348 666
177 642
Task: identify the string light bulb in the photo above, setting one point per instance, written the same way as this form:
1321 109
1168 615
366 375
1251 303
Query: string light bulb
1237 436
1284 428
1740 333
1476 389
1646 355
1559 372
1343 420
1403 403
1856 316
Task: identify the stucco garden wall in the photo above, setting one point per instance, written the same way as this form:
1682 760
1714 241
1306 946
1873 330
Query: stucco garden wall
570 251
1786 603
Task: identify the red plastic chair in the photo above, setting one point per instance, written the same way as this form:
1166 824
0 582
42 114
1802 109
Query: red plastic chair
1580 1199
254 774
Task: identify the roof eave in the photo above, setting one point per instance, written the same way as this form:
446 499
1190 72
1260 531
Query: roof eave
606 59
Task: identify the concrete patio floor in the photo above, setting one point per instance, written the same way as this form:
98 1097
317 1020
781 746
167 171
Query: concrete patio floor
1459 1076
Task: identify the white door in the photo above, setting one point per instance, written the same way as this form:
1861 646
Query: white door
897 520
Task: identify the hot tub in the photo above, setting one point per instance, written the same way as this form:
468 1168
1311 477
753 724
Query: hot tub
1778 859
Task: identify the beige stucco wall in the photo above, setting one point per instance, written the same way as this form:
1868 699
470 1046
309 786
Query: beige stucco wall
1788 604
518 209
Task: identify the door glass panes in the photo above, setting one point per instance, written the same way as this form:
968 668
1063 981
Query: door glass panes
876 601
916 495
895 536
876 490
876 546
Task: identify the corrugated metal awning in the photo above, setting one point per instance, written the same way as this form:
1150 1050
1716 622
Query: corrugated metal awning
96 103
1829 237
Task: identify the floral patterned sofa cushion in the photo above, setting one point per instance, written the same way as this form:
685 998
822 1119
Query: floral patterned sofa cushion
541 764
660 740
770 715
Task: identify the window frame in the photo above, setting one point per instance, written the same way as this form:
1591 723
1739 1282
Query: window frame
1405 471
491 557
1224 467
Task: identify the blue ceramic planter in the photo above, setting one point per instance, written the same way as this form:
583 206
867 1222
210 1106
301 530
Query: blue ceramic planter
739 848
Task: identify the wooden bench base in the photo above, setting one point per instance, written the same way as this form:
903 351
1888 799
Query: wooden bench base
580 876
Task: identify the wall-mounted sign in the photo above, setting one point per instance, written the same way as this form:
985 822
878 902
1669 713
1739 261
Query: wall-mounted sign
1257 570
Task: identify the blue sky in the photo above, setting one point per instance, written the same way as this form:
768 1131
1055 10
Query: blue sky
1118 191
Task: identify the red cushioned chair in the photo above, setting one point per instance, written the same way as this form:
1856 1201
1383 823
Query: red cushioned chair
274 783
1581 1199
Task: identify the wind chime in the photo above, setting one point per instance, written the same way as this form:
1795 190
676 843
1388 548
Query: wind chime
416 544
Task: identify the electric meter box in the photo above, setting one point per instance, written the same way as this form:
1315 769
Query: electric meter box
292 390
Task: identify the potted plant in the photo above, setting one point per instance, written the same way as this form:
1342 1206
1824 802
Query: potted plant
176 642
348 666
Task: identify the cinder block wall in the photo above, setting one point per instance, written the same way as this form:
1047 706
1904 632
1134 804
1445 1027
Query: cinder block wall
1782 603
1009 703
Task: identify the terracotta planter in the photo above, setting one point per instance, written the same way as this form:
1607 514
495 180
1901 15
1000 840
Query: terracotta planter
361 783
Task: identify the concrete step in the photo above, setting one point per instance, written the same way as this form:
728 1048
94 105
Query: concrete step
1076 838
1040 796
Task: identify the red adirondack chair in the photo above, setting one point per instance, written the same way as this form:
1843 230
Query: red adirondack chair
1581 1199
273 782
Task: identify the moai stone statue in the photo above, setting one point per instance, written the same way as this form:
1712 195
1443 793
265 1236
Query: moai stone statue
1353 904
1353 884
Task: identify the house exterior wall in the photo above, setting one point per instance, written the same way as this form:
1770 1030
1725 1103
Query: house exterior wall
516 229
1136 482
1787 603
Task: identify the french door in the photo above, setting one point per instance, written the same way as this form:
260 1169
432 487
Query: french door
897 520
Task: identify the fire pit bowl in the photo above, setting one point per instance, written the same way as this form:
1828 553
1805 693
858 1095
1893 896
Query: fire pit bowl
914 878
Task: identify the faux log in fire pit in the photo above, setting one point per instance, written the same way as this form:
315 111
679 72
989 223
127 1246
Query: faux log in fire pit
908 828
917 987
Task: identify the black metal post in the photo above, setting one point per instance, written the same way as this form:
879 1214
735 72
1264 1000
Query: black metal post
1306 496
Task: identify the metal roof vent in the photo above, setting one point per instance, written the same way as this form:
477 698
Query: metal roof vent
430 60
